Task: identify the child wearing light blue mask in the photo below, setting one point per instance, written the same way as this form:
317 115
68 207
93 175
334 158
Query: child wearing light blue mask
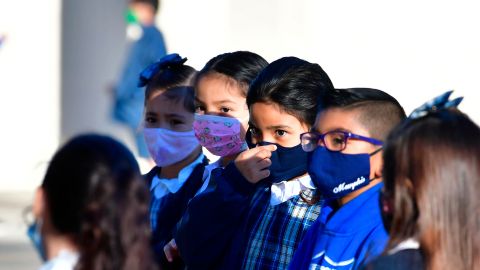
345 163
167 128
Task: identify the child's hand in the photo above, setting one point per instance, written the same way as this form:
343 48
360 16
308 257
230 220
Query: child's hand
254 162
171 251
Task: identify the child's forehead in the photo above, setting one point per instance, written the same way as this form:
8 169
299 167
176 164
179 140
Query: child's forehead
340 119
268 112
160 102
217 86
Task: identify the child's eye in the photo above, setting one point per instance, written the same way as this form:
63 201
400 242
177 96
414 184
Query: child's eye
150 120
280 132
199 109
175 122
225 110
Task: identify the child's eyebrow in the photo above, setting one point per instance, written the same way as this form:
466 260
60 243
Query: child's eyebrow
223 101
337 129
172 115
279 127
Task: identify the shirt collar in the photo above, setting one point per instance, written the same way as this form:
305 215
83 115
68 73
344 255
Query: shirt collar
285 190
161 186
410 243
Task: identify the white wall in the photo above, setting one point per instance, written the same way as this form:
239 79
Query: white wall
411 49
29 90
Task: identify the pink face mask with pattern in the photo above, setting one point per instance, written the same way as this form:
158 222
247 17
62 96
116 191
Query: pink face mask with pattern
220 135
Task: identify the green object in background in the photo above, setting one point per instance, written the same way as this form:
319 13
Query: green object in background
131 17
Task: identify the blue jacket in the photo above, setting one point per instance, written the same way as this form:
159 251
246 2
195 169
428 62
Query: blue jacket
129 99
204 234
344 238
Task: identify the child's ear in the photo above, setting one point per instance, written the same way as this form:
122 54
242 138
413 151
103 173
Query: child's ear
39 204
376 165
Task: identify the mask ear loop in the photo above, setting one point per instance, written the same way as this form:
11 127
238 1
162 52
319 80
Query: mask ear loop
376 151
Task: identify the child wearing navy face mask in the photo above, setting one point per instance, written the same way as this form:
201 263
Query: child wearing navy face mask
257 202
167 128
345 163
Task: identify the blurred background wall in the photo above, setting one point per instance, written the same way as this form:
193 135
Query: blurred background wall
60 57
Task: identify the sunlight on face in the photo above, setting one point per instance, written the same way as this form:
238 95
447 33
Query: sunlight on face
217 94
344 120
161 112
268 123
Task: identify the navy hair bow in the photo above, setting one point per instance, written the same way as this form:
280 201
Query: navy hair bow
437 103
170 60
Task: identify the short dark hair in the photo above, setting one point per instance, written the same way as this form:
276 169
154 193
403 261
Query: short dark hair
378 111
431 179
240 66
154 3
177 80
294 84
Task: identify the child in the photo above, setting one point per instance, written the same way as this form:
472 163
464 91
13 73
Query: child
346 167
238 223
430 198
91 208
222 114
146 45
168 119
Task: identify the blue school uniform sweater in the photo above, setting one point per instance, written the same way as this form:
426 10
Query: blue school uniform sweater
231 225
344 238
169 210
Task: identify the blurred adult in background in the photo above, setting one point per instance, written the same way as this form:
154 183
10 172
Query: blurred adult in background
146 46
430 199
91 210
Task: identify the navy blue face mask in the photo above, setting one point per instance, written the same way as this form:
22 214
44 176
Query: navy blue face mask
336 174
33 233
287 162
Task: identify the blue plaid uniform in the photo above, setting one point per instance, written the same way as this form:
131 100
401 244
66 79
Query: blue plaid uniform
276 231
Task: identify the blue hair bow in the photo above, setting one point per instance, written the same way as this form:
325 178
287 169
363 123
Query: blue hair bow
169 60
437 103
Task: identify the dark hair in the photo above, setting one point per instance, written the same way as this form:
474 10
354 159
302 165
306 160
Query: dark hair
294 84
240 66
154 3
432 179
378 111
177 80
94 193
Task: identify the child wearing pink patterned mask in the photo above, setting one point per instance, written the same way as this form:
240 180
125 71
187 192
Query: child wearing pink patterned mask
221 112
221 118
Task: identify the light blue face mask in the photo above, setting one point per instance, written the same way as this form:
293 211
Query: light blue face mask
33 233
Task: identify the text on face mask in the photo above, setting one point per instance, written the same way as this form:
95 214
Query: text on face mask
351 186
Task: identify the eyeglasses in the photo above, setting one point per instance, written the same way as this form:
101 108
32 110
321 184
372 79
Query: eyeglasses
334 140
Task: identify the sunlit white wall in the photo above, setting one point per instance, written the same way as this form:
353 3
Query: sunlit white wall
411 49
29 90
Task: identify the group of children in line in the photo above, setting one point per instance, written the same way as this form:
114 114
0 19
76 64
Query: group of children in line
309 176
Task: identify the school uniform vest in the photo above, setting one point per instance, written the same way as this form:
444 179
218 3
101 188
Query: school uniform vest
172 208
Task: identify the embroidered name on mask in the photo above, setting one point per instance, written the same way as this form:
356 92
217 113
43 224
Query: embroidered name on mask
351 186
